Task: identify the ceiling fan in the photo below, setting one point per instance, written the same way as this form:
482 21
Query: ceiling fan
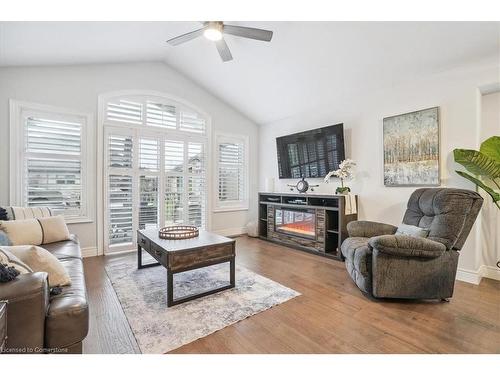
214 30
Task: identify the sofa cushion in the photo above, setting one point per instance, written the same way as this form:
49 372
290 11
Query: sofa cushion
358 260
65 249
67 316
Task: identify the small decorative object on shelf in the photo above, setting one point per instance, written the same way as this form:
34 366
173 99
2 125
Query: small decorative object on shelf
345 172
178 232
302 186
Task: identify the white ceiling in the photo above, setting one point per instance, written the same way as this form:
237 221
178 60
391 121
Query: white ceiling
305 63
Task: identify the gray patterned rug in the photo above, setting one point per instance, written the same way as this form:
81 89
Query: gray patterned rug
158 329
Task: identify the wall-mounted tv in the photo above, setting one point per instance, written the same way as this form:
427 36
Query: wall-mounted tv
312 153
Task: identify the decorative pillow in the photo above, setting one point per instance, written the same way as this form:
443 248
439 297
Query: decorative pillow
23 232
10 260
411 230
40 260
36 231
22 213
4 240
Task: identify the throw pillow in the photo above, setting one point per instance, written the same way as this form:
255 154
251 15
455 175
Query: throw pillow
4 240
54 229
40 260
36 231
23 232
411 230
10 260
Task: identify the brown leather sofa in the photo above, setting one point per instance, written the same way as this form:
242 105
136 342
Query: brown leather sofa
39 322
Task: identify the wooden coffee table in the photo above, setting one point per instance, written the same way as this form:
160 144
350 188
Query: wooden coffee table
184 255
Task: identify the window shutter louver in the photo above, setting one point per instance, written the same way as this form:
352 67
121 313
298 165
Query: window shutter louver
148 201
53 167
161 115
231 171
149 154
174 199
192 122
120 222
174 156
124 111
196 184
120 151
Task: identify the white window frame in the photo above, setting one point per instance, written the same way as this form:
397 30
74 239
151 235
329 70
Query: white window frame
172 134
239 205
19 111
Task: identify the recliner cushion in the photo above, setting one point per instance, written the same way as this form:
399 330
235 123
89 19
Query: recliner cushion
358 260
444 212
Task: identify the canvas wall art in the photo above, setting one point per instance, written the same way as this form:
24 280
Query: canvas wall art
411 149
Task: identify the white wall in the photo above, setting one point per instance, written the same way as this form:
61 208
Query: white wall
77 88
490 214
455 92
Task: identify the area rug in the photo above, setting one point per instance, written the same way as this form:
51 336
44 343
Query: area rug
158 329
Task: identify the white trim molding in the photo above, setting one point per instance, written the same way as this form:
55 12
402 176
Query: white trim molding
231 231
19 110
88 252
475 277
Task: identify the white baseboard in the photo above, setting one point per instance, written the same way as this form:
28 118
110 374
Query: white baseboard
490 272
469 276
474 277
89 252
231 231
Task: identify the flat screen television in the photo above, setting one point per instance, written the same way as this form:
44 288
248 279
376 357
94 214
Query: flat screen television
312 153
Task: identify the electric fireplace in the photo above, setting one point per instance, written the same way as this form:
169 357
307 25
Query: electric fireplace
295 222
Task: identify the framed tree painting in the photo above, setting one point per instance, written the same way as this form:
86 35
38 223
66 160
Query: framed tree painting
411 149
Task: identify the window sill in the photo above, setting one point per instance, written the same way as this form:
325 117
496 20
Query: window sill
230 209
78 220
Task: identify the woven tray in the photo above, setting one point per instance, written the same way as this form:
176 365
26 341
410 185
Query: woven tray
178 232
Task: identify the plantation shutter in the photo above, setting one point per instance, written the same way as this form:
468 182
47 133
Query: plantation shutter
53 165
196 184
156 167
231 171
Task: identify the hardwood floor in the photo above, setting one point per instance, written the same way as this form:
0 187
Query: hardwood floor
331 315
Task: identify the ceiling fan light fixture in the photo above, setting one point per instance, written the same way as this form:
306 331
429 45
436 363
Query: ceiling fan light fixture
213 33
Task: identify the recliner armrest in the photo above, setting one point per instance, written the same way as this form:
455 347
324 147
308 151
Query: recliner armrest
362 228
28 301
407 246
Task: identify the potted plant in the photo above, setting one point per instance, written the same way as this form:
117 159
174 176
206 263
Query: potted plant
484 166
345 172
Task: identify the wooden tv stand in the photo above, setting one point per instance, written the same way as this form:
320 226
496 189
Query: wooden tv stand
325 232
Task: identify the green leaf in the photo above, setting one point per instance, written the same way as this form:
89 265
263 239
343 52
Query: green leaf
494 195
491 148
477 163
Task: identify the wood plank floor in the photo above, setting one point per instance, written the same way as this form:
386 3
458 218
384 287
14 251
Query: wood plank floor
331 315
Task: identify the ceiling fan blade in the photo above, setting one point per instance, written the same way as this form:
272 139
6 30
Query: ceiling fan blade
186 37
249 32
224 52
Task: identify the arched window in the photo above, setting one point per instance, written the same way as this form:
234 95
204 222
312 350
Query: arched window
155 163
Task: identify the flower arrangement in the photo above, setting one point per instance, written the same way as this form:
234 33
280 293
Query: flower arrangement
345 172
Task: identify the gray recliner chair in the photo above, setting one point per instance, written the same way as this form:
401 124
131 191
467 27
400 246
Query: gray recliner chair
386 265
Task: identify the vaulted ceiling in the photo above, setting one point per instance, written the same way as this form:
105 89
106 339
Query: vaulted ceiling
305 63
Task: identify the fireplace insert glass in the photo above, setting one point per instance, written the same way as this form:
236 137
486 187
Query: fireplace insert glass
295 222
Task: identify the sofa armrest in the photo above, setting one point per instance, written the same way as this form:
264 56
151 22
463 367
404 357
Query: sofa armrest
362 228
407 246
28 301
